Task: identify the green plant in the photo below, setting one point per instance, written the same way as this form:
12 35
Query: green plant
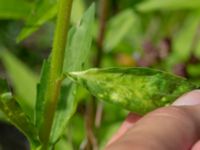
42 117
50 118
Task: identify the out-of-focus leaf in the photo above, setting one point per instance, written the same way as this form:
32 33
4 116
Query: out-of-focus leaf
3 86
23 79
16 115
14 9
108 133
3 89
43 12
75 57
127 3
63 144
137 89
2 116
76 130
41 88
197 50
118 27
152 5
77 11
194 70
183 40
110 123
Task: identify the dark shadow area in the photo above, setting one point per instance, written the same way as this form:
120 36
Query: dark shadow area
11 138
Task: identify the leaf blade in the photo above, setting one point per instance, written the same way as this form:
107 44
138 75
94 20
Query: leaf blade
137 89
16 115
120 24
43 11
153 5
23 79
41 88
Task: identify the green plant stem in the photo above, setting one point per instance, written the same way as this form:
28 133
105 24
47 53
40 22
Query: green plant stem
57 59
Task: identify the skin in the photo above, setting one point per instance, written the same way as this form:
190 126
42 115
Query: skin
176 127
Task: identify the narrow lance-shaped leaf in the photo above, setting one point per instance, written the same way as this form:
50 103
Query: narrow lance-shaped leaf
153 5
41 88
137 89
44 10
185 36
3 86
120 24
23 79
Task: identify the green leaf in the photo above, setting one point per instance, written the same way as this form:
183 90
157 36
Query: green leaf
183 40
108 133
41 88
137 89
44 11
120 24
75 57
152 5
14 9
77 54
77 11
23 80
3 86
3 89
63 144
16 115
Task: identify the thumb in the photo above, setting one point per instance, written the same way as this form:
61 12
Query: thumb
191 98
186 100
166 127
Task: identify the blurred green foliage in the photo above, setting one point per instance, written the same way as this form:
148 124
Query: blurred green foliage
151 33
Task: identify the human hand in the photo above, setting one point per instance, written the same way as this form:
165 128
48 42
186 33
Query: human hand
176 127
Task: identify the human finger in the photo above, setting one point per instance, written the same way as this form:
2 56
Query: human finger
166 128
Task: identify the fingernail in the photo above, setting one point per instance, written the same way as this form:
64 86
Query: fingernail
191 98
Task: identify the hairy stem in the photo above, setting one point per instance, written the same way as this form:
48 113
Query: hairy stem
57 59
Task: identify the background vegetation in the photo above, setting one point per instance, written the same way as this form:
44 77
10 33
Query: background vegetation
152 33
